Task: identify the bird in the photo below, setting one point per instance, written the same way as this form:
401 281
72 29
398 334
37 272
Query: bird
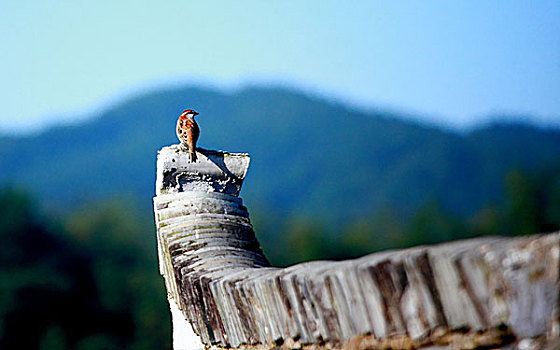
188 131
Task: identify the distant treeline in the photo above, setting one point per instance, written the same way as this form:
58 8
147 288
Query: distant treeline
531 205
89 280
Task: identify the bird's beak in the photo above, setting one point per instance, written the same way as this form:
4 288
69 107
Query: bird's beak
195 113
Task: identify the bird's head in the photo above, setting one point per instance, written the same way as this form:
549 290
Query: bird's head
188 114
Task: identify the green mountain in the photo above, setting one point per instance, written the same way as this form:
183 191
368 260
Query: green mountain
309 155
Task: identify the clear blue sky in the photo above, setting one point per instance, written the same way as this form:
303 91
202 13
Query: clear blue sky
449 62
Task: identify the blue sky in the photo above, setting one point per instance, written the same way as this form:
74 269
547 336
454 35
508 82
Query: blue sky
455 64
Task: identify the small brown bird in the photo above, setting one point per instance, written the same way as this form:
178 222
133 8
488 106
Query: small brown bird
188 131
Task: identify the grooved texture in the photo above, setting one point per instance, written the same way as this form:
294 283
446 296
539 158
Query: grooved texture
202 236
439 295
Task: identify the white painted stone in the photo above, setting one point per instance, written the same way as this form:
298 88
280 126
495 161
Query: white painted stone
214 171
223 292
184 338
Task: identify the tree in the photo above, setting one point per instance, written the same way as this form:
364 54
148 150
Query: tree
92 284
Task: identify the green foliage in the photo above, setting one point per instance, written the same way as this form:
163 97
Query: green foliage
305 240
88 283
531 206
385 230
532 202
487 222
524 205
431 225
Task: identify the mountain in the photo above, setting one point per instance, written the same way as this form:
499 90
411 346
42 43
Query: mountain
309 156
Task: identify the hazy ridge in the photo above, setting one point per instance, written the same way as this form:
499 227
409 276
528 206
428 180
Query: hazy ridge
309 156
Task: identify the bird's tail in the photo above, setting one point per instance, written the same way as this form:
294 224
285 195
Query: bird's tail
192 152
